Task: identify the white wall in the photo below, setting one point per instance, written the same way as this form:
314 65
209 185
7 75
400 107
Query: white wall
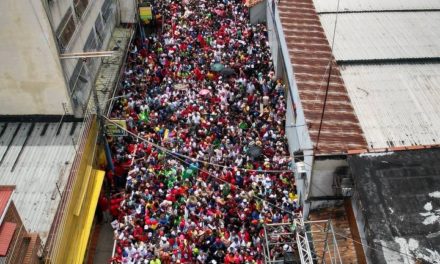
31 78
323 175
128 11
57 10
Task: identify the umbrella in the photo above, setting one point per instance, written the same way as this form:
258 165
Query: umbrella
217 67
254 151
227 72
219 12
204 92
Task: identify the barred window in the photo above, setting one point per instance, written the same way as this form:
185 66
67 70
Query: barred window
79 77
79 84
106 9
80 7
99 28
66 29
90 44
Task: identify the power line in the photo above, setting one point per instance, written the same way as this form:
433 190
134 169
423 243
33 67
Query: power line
328 78
177 156
191 158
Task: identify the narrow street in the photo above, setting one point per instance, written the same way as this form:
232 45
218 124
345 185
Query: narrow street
205 162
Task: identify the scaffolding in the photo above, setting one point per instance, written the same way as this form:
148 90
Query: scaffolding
299 241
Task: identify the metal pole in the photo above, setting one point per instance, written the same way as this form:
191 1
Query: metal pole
267 245
325 245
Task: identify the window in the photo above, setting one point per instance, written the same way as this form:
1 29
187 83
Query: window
79 84
91 45
99 28
80 7
74 78
66 29
90 42
106 10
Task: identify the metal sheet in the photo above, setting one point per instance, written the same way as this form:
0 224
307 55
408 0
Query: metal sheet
7 230
310 57
389 35
374 5
44 163
5 196
397 104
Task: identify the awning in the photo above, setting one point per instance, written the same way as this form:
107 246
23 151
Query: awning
88 215
6 233
145 14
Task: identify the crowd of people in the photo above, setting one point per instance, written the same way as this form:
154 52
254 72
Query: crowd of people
206 162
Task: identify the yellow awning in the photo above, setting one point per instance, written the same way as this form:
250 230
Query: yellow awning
89 215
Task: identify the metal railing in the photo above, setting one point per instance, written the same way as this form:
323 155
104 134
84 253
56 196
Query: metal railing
109 103
53 241
53 246
302 241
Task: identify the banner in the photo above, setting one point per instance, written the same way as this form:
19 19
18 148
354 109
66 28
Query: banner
114 130
145 14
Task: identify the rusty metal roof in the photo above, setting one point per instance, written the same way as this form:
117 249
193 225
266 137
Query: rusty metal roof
7 230
5 196
309 54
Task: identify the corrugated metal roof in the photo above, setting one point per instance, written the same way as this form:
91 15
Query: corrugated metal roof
389 35
309 53
397 104
374 5
7 230
43 164
5 195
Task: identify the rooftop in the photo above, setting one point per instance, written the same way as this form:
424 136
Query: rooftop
36 158
384 35
400 200
310 55
5 197
397 104
389 57
325 6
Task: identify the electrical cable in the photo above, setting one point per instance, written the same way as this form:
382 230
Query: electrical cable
194 159
176 156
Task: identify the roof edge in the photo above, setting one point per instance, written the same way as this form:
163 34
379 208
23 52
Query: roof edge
391 149
39 118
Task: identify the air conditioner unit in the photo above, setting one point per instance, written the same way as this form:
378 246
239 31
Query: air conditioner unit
300 170
346 187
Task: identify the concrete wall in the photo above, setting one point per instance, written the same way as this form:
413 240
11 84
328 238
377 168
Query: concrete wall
17 248
128 11
360 222
57 10
258 13
323 176
31 77
84 26
296 129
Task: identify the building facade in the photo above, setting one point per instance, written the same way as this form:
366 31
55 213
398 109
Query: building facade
35 81
16 244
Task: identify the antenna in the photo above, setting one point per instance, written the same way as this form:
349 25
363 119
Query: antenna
328 78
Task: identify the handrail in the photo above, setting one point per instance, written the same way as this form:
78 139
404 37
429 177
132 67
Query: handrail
121 72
